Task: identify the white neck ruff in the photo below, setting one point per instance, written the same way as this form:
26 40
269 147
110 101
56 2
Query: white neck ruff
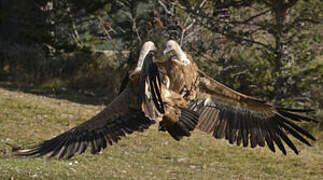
181 56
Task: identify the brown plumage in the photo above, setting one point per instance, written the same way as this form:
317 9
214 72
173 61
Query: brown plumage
225 113
134 109
177 120
184 98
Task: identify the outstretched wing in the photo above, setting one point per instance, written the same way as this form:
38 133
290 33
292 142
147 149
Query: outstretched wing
122 116
239 118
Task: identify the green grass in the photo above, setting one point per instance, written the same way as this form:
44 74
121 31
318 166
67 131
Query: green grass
26 119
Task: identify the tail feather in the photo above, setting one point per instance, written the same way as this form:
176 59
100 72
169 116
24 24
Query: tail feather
184 125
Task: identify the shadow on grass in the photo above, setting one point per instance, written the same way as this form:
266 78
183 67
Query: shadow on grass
84 77
81 96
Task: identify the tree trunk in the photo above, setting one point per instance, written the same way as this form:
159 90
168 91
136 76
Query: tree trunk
10 27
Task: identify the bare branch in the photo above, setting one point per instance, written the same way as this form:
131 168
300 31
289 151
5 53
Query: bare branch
188 18
128 14
134 24
165 8
75 33
191 34
251 18
107 33
134 28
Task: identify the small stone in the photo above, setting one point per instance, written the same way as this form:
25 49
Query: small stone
180 159
34 176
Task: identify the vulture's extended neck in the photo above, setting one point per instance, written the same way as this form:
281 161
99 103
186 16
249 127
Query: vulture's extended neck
143 53
181 55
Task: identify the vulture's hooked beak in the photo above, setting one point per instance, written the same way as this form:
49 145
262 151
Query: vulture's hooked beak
167 50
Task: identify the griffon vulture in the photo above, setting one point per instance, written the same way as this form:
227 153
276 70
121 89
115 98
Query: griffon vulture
225 113
135 109
184 97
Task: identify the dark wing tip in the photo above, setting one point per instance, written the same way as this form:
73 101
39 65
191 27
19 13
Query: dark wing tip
246 127
287 113
26 151
78 139
62 145
297 110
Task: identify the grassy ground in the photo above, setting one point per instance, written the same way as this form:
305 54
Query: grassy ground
26 119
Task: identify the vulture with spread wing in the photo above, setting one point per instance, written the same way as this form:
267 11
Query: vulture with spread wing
135 109
225 113
184 98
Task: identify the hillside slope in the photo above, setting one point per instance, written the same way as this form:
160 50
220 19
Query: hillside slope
26 119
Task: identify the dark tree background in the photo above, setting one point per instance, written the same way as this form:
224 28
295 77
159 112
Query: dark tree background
270 48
